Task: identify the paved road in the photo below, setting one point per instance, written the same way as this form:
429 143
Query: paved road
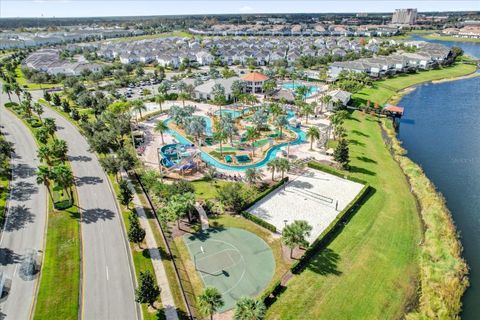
108 289
26 218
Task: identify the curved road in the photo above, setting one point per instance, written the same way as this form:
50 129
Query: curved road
26 218
108 285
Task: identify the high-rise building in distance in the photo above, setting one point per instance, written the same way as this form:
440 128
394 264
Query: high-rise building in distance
404 16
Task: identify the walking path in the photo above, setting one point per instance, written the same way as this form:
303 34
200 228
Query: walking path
203 216
160 274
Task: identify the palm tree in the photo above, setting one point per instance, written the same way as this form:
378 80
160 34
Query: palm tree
283 165
276 110
325 101
294 234
38 109
252 135
210 301
249 309
43 154
272 166
183 96
27 107
51 127
59 149
17 89
307 109
302 91
281 123
138 106
221 136
160 98
161 128
253 175
313 133
63 176
43 177
8 89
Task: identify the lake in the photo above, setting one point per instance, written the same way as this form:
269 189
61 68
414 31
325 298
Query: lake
440 131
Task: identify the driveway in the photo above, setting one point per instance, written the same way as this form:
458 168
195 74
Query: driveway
108 280
24 228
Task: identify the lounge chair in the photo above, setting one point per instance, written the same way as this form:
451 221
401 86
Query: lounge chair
228 159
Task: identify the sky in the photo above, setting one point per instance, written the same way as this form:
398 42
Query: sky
88 8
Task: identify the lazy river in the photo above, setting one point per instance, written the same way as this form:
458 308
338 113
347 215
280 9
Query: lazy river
270 155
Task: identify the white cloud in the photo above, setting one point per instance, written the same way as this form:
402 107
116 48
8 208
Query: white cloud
246 8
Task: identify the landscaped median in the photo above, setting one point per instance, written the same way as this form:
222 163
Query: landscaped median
5 176
58 293
443 271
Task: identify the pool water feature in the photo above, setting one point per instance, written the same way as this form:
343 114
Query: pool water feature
292 86
233 113
173 153
269 156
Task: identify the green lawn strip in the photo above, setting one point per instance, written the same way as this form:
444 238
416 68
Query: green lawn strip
58 293
181 34
207 190
141 256
381 91
435 36
443 271
370 269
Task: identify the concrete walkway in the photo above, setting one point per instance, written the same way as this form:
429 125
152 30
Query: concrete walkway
203 216
160 274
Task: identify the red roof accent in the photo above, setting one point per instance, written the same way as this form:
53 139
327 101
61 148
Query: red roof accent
254 76
395 109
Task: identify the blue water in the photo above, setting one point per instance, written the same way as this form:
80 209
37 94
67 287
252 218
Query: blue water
292 86
233 113
440 132
208 127
270 155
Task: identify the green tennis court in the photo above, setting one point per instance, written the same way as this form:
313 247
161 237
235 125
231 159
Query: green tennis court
235 261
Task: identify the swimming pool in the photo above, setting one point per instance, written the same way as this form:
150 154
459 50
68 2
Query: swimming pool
271 153
292 86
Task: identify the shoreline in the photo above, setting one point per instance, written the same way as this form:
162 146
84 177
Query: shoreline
432 209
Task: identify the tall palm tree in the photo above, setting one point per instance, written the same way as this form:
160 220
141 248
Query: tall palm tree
210 301
59 149
294 234
302 91
63 176
283 165
249 309
325 101
7 88
307 109
220 136
161 128
43 154
313 133
17 89
281 123
275 110
272 166
253 175
43 177
160 98
183 96
252 135
138 106
50 126
38 109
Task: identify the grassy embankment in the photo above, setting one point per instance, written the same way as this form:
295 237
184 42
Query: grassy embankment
383 90
436 36
58 293
4 183
181 34
370 269
443 271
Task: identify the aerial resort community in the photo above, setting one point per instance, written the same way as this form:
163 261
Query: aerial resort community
223 167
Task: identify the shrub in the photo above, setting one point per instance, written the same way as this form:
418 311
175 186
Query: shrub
259 221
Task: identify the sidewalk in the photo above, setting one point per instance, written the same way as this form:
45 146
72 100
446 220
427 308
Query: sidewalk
203 216
162 280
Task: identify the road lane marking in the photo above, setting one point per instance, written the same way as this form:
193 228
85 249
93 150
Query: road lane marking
106 269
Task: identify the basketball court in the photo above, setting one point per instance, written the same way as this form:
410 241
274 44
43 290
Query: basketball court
315 196
236 262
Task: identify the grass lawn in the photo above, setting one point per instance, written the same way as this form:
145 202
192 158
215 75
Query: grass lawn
205 190
436 36
370 270
31 86
58 295
4 181
383 90
228 221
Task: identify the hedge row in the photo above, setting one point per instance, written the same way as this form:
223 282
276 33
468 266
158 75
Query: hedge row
327 234
328 169
270 294
259 221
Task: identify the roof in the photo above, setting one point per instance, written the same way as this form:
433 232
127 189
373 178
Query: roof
395 109
254 76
